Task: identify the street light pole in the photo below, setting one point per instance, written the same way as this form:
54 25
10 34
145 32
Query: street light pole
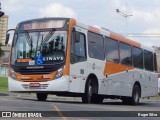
125 15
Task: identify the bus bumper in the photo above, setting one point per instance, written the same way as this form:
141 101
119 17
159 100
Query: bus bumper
61 84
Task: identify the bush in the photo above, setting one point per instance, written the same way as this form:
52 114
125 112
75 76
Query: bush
3 84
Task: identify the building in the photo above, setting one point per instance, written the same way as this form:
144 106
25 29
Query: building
4 61
3 28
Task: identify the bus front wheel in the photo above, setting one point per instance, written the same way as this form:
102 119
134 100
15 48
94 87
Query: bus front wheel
91 92
86 98
42 96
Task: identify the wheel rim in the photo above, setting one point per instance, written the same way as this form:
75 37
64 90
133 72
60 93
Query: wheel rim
136 96
89 93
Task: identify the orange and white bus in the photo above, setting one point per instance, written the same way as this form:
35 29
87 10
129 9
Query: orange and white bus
64 57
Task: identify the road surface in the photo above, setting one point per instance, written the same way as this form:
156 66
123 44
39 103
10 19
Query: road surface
25 102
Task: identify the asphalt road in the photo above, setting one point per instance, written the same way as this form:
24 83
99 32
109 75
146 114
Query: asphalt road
23 103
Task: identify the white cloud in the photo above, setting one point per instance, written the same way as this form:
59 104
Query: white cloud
143 16
57 10
146 16
12 6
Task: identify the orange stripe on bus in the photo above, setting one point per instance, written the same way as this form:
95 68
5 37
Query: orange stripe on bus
93 29
123 39
36 78
113 68
23 60
67 67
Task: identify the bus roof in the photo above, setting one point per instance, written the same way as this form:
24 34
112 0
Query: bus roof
112 35
102 31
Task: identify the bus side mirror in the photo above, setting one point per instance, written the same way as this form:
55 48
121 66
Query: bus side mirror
7 38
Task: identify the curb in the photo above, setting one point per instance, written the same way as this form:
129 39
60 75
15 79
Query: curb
4 94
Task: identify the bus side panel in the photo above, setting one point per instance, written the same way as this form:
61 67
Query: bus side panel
77 78
121 84
119 80
150 87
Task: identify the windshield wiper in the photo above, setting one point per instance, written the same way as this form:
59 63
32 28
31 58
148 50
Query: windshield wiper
29 40
48 36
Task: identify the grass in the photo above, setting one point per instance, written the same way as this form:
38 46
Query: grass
3 84
152 98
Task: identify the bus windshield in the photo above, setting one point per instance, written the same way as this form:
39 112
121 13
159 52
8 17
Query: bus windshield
38 48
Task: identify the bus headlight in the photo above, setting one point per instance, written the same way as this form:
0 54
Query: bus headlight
59 73
12 74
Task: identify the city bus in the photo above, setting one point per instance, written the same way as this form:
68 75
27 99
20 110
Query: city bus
64 57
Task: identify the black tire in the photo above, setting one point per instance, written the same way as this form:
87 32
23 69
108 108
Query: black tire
135 95
42 96
134 100
91 93
86 98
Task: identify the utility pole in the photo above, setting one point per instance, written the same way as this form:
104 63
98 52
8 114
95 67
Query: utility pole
1 13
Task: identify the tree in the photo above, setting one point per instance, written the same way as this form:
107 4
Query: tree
1 51
1 13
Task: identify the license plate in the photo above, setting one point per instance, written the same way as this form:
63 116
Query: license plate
34 85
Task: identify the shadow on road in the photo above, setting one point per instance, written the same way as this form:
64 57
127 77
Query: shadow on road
119 103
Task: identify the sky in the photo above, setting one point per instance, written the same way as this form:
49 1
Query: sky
143 26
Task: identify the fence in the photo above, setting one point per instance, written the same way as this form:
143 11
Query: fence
3 71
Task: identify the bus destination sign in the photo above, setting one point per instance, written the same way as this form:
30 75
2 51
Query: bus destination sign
42 24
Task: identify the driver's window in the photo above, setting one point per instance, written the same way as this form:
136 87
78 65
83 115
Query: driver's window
78 49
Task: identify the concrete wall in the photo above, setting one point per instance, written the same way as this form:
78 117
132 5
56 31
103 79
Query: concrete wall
6 51
3 67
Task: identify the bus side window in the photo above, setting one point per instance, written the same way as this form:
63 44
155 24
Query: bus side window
137 55
125 54
96 46
148 60
78 48
111 50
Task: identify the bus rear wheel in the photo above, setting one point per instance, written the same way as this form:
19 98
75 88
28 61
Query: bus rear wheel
42 96
134 100
135 95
